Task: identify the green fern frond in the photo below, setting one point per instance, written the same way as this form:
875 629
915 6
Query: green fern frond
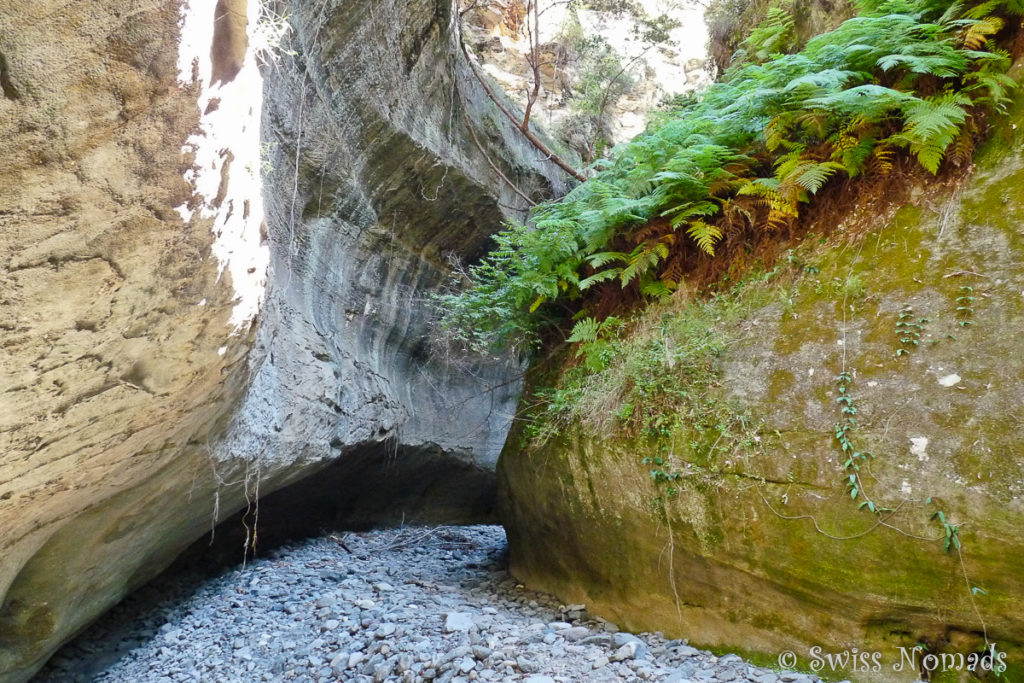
813 176
604 257
993 88
774 35
644 258
658 289
865 102
705 235
854 157
982 10
1012 6
598 277
787 164
682 214
584 331
931 125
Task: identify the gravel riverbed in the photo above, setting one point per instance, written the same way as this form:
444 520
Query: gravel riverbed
411 604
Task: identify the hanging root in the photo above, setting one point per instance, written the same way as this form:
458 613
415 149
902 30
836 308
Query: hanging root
252 512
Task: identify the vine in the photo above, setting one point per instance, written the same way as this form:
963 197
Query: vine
909 332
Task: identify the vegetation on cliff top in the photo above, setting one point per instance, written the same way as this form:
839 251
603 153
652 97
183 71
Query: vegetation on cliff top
904 78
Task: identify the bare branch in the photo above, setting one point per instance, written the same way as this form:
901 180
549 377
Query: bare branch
533 139
469 124
534 61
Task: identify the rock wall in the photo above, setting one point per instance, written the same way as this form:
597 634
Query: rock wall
150 386
112 380
739 528
375 185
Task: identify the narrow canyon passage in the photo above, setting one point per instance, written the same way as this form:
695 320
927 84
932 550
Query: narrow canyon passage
311 269
404 604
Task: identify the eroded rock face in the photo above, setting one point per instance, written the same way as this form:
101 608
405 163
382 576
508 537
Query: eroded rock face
375 184
749 535
139 402
112 380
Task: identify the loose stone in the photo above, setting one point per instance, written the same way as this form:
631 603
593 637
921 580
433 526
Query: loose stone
315 613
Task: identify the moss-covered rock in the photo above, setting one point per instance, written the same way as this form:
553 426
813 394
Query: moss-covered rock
737 525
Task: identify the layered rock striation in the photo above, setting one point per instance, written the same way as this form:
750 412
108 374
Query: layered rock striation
166 355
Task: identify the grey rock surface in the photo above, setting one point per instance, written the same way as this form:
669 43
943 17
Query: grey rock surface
135 415
377 182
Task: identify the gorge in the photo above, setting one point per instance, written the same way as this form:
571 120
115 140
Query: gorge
221 228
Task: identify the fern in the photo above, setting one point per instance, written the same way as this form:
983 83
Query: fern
748 152
644 258
705 236
881 158
584 331
598 260
813 176
775 35
992 88
659 289
684 213
598 277
978 33
931 125
854 154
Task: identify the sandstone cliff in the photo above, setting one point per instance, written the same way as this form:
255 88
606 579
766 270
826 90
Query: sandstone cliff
723 508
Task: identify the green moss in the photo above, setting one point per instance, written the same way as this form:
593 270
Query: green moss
660 375
882 588
999 203
895 257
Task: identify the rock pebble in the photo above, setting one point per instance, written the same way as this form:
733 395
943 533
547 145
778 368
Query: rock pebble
411 605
